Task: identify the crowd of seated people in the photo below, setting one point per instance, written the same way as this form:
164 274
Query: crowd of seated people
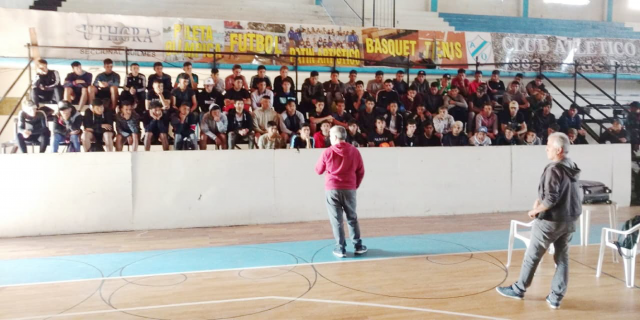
268 114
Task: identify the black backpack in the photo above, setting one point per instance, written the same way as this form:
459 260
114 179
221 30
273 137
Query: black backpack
630 240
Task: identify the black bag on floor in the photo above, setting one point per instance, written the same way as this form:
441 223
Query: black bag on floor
595 192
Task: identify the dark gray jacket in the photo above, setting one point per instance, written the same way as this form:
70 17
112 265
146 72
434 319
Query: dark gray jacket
559 191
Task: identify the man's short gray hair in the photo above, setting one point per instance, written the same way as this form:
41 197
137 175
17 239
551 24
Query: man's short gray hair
560 140
339 132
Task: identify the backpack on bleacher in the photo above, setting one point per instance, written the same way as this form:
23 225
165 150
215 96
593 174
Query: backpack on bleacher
630 240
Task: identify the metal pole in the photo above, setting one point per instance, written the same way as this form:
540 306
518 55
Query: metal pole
126 60
394 13
615 83
477 63
215 59
296 68
334 63
363 13
29 55
408 67
541 64
575 79
374 13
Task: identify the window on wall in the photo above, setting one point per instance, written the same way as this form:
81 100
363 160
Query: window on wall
634 4
570 2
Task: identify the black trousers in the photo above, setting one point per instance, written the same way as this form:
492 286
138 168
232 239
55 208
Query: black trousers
42 139
54 94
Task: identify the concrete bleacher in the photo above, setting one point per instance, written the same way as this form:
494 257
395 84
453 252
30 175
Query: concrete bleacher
557 27
276 11
421 20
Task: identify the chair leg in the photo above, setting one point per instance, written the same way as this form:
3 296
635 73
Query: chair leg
603 245
587 225
582 228
510 246
629 268
613 221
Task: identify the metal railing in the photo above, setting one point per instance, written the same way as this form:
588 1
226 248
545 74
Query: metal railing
384 13
345 12
13 84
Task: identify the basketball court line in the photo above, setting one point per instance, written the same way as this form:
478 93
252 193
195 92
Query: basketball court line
189 304
262 267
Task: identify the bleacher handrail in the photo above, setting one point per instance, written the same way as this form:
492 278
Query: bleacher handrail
13 111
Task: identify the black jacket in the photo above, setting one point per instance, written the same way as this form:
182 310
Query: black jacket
185 128
48 81
559 191
95 122
399 121
234 124
449 140
64 127
36 124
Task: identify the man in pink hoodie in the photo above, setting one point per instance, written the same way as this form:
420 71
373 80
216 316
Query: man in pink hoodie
343 164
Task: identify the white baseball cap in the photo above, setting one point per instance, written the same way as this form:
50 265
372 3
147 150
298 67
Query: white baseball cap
209 81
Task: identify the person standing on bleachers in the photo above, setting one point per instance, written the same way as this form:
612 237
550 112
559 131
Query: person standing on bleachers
47 86
236 72
555 210
135 89
106 84
261 76
76 85
32 127
192 79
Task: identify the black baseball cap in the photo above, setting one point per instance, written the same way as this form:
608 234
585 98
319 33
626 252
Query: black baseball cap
422 73
446 75
314 73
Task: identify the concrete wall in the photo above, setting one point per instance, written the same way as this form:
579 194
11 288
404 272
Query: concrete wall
512 8
78 193
595 10
16 4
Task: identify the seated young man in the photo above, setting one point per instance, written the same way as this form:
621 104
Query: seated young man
156 126
271 139
157 93
218 83
443 122
496 87
208 96
261 76
259 93
420 117
229 81
240 128
408 138
304 140
367 117
489 120
334 89
183 94
395 120
237 92
480 139
128 127
375 85
399 85
105 86
164 78
411 100
321 137
312 91
457 104
433 100
574 137
76 85
531 139
429 137
512 118
380 135
67 127
283 97
46 85
318 115
136 88
385 96
184 128
32 127
341 117
98 127
571 119
262 116
507 138
455 138
551 130
279 81
291 121
615 134
357 100
354 137
192 79
476 83
476 105
213 128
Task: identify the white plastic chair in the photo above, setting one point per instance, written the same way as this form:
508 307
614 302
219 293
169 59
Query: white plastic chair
525 236
629 260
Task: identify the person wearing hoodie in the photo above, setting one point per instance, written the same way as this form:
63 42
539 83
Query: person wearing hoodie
344 170
455 138
480 139
531 139
32 127
67 127
312 91
556 210
507 138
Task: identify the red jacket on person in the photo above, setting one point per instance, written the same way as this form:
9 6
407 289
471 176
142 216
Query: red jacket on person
343 166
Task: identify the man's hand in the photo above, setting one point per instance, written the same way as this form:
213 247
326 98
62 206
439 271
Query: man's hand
533 214
107 127
623 140
75 132
103 84
216 118
582 132
26 133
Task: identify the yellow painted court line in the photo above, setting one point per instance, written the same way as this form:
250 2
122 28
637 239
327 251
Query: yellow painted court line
189 304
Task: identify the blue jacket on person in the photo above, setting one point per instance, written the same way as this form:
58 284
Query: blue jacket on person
565 122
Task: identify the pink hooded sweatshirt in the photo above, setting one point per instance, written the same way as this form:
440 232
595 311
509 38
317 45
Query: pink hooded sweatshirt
343 165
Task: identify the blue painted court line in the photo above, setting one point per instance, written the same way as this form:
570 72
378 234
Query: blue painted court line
82 267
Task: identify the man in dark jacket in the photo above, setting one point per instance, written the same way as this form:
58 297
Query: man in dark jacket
98 127
32 127
570 119
556 209
312 90
184 124
47 85
240 127
67 127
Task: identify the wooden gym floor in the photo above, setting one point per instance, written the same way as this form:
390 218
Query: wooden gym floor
417 268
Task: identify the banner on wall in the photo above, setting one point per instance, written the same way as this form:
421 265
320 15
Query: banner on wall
248 42
598 55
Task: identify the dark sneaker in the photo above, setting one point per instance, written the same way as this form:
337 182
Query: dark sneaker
553 305
509 293
361 249
340 253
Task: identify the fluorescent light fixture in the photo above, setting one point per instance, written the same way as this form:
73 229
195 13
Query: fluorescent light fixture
634 4
569 2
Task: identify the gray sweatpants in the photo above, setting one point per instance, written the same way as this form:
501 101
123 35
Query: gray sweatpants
339 201
543 234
